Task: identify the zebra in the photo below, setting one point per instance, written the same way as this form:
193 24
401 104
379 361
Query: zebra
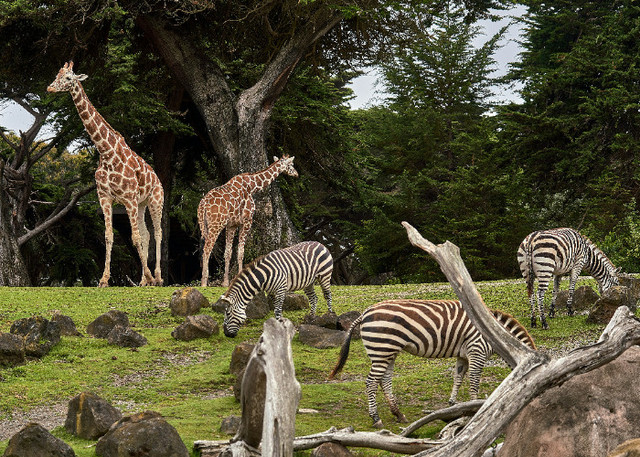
426 328
293 268
553 253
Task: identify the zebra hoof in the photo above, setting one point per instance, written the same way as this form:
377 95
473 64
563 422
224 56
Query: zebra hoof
402 419
378 423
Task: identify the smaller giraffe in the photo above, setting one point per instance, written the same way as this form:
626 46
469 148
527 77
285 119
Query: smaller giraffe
231 206
122 176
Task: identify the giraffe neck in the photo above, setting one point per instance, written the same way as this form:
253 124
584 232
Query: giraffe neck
95 125
261 179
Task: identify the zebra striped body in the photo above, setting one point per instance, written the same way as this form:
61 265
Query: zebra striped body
293 268
426 328
548 254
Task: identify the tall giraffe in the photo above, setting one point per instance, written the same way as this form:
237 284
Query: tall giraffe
231 205
122 176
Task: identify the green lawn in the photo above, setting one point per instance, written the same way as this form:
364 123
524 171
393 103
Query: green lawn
190 384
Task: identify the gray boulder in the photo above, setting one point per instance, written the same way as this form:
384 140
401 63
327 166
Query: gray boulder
125 337
66 324
11 350
611 300
345 320
39 334
239 360
320 337
103 324
199 326
583 299
187 301
326 320
331 450
90 416
145 434
230 425
292 302
587 416
35 441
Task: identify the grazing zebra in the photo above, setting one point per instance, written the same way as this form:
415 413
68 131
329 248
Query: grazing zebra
426 328
553 253
293 268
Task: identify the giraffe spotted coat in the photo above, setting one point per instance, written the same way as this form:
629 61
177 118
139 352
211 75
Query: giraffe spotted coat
122 176
231 206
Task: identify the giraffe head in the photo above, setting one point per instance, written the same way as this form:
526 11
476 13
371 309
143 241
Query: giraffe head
66 79
285 165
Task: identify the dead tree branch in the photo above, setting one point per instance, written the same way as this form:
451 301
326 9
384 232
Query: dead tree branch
383 439
533 372
468 408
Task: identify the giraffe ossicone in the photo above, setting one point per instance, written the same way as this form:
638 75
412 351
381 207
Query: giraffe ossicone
122 177
231 206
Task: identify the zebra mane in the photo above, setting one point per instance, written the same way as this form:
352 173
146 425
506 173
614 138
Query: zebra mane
241 275
599 253
505 319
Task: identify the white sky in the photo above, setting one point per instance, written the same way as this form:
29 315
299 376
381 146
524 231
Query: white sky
15 118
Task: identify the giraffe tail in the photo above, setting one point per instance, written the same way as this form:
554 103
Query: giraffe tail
344 350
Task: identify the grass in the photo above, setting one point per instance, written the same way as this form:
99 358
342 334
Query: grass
190 384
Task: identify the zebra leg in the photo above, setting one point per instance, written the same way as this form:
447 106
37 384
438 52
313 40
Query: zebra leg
325 285
462 366
387 388
378 369
310 292
572 286
476 364
543 283
277 303
532 302
556 287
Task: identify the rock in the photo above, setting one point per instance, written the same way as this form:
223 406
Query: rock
101 327
345 320
11 350
34 440
66 324
320 337
145 434
258 307
586 416
610 301
199 326
240 357
326 320
633 284
230 425
39 334
219 306
630 448
90 417
331 450
583 299
187 301
293 302
125 337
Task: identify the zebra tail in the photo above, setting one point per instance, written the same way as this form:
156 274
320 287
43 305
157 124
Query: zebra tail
530 275
344 350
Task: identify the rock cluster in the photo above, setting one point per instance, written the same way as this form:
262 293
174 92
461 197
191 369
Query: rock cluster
114 327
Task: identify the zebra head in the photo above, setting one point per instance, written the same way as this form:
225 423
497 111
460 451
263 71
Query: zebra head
235 314
285 165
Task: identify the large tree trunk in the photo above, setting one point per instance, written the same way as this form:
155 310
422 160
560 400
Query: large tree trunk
13 270
236 126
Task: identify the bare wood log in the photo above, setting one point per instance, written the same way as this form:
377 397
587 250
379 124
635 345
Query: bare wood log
269 395
383 439
533 373
468 408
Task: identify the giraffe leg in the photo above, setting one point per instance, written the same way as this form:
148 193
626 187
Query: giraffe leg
242 239
136 238
144 241
210 240
228 251
106 205
156 218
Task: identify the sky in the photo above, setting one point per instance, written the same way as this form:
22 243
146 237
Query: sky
15 118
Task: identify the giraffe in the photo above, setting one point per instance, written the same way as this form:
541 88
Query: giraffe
122 177
231 206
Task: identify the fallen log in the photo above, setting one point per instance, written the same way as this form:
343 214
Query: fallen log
468 408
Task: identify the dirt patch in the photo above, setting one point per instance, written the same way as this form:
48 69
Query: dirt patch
49 417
